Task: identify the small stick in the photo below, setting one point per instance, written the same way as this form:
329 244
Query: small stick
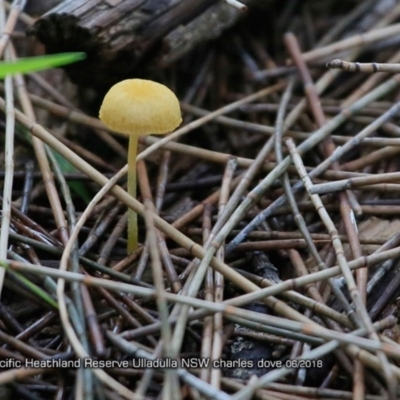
195 212
206 344
236 4
345 184
28 184
9 166
9 25
162 180
376 156
363 67
219 282
369 84
355 205
23 17
278 236
144 186
92 323
353 42
170 377
109 245
105 220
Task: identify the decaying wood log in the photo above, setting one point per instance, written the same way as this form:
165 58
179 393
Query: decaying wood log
123 38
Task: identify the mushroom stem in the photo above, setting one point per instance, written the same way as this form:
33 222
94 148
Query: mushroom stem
132 216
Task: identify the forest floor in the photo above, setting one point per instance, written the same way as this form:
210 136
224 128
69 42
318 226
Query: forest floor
269 238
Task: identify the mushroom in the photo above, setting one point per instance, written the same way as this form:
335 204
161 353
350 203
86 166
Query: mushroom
137 107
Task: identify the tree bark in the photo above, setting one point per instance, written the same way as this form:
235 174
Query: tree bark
126 38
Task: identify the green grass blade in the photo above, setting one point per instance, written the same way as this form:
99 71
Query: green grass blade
32 64
38 291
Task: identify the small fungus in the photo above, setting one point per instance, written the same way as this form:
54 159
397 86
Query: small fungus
137 107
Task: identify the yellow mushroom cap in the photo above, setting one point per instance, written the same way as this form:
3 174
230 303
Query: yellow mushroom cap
140 107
